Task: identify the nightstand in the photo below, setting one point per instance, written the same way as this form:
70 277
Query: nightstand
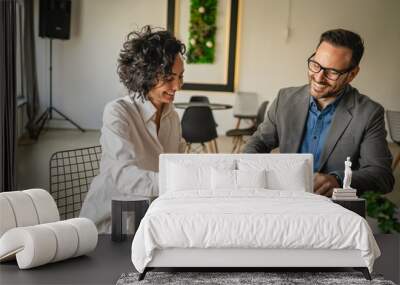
119 206
356 205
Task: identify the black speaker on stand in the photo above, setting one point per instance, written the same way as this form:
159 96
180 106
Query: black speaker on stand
54 23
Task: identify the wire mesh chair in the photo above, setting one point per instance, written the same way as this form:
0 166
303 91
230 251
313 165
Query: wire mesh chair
71 172
393 120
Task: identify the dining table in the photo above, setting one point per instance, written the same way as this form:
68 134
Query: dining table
213 106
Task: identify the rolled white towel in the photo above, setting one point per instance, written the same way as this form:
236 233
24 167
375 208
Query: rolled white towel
40 244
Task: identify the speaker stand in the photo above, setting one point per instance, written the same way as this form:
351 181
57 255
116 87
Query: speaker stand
48 113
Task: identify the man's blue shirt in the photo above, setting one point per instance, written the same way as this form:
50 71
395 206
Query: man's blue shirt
317 129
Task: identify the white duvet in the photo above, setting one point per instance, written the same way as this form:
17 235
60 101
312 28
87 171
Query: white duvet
250 219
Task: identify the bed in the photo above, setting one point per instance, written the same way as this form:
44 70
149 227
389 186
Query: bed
247 210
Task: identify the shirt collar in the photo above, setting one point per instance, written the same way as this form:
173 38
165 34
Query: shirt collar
147 109
332 106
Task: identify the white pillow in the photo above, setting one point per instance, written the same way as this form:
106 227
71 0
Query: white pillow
293 180
225 179
191 174
182 177
282 174
251 178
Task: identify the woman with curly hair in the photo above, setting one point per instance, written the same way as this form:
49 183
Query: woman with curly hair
139 127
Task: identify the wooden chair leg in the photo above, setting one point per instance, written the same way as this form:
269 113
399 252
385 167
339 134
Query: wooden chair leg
210 147
396 162
238 123
233 144
234 139
239 144
215 146
243 143
204 147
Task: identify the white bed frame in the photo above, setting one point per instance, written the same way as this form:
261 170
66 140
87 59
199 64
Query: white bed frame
234 257
251 258
256 258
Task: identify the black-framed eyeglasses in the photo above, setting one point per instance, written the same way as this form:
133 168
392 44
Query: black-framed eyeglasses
330 73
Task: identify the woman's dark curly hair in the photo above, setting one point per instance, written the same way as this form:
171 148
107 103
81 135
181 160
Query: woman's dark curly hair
146 58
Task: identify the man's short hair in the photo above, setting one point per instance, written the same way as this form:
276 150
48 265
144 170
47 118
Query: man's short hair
345 38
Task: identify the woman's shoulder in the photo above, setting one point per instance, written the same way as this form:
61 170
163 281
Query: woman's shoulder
124 103
120 107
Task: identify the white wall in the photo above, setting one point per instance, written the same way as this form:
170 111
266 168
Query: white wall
269 61
84 67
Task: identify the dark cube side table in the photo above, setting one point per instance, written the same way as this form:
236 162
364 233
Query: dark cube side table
356 205
138 205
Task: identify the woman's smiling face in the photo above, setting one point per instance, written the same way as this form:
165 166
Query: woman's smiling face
164 91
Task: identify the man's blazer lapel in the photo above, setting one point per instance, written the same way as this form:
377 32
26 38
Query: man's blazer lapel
297 111
341 120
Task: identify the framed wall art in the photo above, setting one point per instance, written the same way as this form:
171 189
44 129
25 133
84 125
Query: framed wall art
209 31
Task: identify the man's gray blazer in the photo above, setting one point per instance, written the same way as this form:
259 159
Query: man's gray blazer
357 130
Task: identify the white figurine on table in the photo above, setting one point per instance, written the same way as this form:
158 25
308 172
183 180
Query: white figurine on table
347 174
345 193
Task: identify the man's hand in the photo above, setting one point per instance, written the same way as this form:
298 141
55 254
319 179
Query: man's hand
324 184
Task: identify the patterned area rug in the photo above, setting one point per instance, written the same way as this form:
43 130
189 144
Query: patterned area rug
229 278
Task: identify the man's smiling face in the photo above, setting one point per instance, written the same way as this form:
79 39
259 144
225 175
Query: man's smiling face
331 57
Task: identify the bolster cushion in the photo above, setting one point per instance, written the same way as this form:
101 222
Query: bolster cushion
40 244
26 208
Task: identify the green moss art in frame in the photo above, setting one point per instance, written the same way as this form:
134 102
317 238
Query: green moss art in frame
202 31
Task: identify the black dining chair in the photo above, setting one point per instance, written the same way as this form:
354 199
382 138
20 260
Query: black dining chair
198 127
238 134
202 99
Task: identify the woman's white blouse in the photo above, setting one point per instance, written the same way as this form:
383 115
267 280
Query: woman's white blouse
130 152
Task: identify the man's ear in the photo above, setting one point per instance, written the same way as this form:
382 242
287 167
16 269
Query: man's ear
353 74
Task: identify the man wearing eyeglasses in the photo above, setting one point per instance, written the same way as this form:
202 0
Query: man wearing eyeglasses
331 120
